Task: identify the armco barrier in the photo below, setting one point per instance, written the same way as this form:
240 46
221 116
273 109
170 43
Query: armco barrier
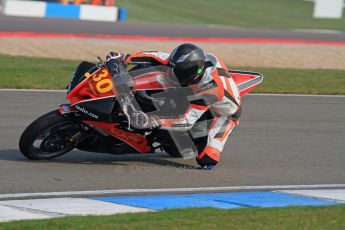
57 10
123 12
25 8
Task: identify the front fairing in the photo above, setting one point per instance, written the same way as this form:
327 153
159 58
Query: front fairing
94 84
98 83
95 94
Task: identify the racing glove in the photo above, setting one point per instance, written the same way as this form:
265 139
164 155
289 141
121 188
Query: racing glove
144 121
115 62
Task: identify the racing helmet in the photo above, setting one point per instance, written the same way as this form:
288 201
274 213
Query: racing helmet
187 62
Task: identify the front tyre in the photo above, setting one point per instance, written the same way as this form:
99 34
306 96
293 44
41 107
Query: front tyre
49 136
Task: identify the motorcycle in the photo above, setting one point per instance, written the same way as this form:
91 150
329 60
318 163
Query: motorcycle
97 119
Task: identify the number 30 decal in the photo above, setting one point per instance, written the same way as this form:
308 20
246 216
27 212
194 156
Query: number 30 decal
103 85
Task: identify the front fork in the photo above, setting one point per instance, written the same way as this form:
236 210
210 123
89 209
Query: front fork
69 112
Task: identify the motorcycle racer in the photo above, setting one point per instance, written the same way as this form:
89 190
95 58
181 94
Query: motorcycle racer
208 76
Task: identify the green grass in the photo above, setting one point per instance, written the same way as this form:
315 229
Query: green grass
35 73
45 73
245 13
299 81
330 217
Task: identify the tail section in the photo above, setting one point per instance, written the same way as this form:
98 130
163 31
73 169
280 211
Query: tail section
245 81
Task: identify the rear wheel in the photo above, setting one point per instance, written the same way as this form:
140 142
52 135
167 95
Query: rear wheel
49 136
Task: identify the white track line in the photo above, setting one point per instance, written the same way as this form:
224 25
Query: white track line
59 207
250 94
328 194
165 190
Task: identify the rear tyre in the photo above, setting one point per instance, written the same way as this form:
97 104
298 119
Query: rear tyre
48 136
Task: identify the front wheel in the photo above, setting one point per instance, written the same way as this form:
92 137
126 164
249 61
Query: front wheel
49 136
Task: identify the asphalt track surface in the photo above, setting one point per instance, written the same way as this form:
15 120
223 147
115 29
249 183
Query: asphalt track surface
50 25
281 140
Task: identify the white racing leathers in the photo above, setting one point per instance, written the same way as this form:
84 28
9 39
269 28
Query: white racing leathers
219 95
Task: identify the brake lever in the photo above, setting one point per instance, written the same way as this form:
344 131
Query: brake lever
101 63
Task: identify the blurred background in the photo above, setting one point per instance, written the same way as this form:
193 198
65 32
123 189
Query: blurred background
267 35
77 2
308 14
